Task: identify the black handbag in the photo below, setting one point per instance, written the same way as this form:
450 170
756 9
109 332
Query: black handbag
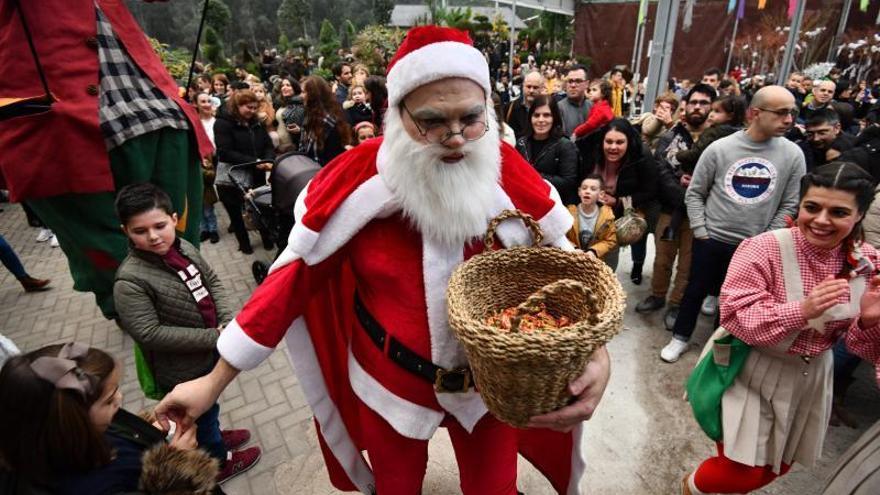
11 107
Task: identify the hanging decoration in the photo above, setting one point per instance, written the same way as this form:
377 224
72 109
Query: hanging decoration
688 15
792 6
731 5
643 11
741 11
863 5
762 4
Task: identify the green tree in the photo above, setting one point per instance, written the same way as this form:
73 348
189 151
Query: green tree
176 60
382 11
293 16
284 44
218 16
328 43
347 33
212 48
373 43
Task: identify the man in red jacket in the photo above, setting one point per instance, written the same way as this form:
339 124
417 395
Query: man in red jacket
359 294
116 119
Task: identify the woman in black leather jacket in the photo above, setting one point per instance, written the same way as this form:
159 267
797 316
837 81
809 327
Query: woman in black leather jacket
629 169
240 137
551 153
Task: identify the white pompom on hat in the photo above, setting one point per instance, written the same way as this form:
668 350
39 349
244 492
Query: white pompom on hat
431 53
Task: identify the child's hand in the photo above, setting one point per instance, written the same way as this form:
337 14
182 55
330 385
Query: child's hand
685 180
185 440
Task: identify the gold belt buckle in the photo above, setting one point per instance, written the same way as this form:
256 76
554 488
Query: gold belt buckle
443 380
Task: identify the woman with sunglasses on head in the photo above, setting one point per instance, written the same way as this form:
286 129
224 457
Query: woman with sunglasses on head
551 153
790 294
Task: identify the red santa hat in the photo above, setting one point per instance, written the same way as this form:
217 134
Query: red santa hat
430 53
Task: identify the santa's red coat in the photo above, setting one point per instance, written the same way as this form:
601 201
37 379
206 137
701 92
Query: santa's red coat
350 234
62 151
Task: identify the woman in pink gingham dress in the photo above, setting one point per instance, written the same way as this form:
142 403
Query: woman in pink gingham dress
791 294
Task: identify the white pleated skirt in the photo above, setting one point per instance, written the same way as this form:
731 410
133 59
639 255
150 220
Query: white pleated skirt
778 408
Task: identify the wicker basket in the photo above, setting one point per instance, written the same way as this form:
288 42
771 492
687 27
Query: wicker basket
520 375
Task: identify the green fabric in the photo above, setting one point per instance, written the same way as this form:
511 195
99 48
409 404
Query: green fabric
87 226
145 375
712 376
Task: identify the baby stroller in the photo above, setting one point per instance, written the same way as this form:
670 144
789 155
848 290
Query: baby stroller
270 208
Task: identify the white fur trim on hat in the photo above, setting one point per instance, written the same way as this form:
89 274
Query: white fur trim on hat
434 62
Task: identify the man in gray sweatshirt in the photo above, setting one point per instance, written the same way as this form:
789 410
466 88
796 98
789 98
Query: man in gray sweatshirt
744 184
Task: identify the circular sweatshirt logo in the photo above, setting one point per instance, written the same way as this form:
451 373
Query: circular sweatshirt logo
750 180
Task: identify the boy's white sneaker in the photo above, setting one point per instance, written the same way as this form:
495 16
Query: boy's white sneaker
53 241
709 306
673 350
44 235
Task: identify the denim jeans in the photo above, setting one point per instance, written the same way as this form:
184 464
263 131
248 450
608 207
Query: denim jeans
10 259
208 434
209 219
709 262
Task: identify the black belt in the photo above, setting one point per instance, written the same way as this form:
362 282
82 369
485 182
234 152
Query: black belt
457 380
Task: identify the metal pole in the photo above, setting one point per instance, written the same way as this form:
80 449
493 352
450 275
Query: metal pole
657 49
513 37
636 43
637 68
788 56
732 45
841 27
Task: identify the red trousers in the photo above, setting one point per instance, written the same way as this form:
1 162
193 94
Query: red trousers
486 457
722 475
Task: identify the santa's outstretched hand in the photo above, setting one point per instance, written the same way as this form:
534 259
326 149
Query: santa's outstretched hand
189 400
587 390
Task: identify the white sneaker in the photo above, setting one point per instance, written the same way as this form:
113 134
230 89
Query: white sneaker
673 350
44 235
710 306
53 241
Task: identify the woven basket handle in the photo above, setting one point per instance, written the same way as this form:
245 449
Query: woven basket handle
533 303
534 228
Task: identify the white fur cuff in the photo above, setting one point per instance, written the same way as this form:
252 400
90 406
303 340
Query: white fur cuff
239 350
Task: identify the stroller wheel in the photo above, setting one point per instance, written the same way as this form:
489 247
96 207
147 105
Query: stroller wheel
260 269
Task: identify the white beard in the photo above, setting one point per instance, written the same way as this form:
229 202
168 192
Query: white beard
448 203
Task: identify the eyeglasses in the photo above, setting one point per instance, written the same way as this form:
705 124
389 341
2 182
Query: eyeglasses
439 133
782 112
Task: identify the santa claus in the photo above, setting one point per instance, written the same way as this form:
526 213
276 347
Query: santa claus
359 295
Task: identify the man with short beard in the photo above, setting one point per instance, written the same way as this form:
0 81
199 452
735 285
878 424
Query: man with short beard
673 184
575 107
823 140
359 295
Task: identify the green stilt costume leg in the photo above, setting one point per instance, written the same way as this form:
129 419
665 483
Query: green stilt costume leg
87 226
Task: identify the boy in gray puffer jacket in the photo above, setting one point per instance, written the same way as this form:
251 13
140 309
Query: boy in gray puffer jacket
173 305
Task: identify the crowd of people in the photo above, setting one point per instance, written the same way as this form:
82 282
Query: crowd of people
756 197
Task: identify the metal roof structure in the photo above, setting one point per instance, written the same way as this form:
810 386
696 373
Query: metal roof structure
407 15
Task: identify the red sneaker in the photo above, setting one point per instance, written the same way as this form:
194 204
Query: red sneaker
238 463
233 439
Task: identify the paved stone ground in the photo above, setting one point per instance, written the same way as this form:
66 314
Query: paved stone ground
642 439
